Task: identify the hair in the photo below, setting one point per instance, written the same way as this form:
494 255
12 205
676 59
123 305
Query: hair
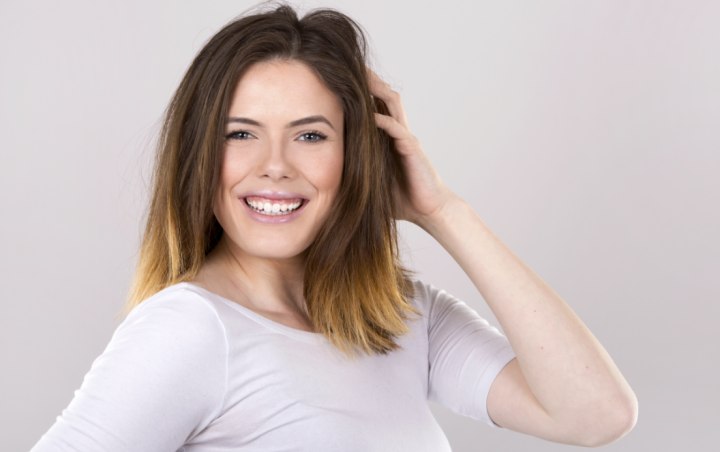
356 290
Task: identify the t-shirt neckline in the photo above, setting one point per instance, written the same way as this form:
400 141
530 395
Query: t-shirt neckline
259 318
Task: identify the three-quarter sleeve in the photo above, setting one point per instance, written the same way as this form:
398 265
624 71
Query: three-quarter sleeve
465 354
160 381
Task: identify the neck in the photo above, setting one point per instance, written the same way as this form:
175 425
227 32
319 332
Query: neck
269 284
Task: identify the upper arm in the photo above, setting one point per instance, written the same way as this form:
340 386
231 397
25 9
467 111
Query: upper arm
161 378
474 372
465 354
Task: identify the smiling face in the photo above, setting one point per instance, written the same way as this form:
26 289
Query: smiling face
282 160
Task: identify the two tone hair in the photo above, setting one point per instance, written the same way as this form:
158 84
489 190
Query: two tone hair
357 292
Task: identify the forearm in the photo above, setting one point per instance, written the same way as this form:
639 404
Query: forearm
566 368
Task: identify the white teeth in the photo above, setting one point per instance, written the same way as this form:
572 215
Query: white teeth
277 208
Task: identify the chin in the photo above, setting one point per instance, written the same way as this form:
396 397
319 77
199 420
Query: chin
274 249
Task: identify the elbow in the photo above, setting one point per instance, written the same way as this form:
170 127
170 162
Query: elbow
610 424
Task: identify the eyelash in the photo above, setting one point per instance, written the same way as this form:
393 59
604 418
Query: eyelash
234 135
313 136
317 136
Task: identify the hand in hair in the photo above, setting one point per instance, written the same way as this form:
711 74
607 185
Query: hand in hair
424 194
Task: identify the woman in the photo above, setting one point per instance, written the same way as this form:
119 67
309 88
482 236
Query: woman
276 315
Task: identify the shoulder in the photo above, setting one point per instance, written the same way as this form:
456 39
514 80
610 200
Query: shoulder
175 340
169 355
177 317
423 293
446 314
176 303
431 300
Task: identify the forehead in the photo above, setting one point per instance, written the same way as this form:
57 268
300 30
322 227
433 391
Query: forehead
283 88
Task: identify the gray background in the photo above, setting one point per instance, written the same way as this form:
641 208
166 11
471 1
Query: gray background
585 133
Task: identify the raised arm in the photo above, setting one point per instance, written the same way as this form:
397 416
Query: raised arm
563 386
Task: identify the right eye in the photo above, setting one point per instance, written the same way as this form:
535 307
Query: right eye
238 135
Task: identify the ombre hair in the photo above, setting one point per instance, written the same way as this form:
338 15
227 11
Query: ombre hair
357 292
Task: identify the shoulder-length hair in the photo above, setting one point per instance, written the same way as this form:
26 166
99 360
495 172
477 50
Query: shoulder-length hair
357 292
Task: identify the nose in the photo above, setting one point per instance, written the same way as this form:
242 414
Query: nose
274 163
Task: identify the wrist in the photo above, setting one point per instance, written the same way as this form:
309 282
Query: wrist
439 219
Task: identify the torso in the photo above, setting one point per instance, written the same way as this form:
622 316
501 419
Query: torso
293 390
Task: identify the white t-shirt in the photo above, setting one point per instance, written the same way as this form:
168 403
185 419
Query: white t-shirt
188 370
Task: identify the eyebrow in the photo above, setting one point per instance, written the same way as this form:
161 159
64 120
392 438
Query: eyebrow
295 123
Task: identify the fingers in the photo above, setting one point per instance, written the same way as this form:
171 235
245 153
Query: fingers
405 142
391 126
380 89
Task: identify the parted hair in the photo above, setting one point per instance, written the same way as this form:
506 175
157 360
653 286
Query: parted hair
357 292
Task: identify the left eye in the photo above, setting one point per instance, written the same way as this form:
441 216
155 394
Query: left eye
312 136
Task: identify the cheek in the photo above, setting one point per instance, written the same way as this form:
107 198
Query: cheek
329 170
233 166
328 174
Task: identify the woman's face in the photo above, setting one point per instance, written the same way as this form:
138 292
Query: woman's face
282 160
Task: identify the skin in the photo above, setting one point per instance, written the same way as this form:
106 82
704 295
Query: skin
562 386
260 264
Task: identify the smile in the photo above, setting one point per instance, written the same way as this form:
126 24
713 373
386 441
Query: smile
274 207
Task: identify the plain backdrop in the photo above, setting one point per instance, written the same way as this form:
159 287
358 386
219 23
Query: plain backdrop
585 133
